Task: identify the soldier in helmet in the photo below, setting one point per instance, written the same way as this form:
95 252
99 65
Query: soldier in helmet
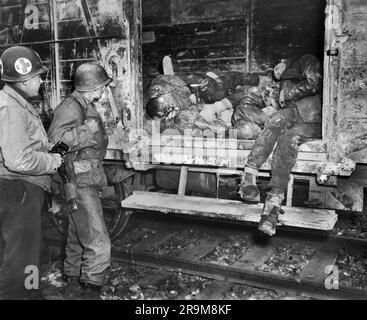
77 123
25 169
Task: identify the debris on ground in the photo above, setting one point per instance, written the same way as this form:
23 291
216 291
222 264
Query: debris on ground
180 242
352 268
229 251
288 259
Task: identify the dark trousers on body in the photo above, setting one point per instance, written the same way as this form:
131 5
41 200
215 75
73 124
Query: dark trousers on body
20 218
287 129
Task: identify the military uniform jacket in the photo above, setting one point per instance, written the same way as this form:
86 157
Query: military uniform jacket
87 149
23 141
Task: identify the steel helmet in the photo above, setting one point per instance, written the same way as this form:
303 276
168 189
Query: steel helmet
19 64
90 76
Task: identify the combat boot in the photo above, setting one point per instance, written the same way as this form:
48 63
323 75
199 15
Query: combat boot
95 284
270 213
92 291
74 289
247 188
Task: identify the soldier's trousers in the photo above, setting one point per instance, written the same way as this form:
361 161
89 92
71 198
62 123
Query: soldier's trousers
20 216
88 249
288 131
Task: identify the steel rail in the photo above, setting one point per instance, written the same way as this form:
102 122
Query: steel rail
249 277
240 276
310 236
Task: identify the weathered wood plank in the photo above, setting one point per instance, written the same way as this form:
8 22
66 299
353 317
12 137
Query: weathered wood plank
208 53
228 209
218 65
10 16
316 146
202 248
288 30
143 161
190 44
10 3
271 4
199 35
355 106
355 126
156 12
185 11
348 74
355 23
353 80
69 9
355 19
255 257
168 153
315 269
282 28
183 181
154 241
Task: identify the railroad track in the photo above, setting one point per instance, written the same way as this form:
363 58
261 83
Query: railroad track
197 246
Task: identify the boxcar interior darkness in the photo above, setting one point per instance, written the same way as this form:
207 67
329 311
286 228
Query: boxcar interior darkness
234 35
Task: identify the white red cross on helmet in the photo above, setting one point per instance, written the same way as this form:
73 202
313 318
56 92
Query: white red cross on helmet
23 66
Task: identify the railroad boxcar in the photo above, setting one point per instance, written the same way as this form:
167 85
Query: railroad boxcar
129 36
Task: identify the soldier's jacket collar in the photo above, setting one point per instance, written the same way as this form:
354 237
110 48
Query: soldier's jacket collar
88 106
81 99
16 95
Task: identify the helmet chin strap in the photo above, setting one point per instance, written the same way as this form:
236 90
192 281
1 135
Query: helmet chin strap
47 88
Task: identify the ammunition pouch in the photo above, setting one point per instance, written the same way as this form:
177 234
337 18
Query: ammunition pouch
90 173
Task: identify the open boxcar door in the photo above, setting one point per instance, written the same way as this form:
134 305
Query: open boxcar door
345 84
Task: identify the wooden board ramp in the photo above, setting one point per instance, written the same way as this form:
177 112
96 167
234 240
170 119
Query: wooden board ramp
320 219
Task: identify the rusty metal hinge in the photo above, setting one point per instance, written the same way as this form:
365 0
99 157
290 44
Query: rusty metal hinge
332 52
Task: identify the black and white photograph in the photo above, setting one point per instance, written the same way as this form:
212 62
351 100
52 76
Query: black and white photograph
183 156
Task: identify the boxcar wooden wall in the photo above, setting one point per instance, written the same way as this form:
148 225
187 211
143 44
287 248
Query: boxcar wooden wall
351 123
282 28
230 34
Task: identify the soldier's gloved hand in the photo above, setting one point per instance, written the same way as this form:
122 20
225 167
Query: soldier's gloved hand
92 125
56 161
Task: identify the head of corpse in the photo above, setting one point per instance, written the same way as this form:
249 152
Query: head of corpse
162 108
